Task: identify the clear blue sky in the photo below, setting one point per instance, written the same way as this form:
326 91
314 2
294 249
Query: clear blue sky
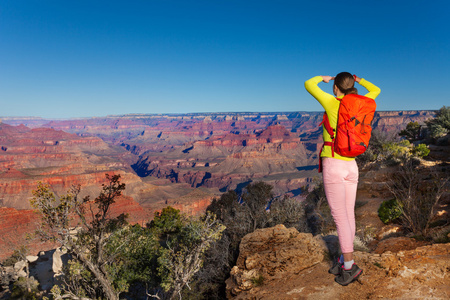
77 58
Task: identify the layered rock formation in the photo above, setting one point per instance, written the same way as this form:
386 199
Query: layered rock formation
208 149
142 129
280 263
54 157
221 150
272 154
62 160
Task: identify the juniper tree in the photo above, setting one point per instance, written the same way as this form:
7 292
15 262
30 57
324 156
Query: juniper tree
84 228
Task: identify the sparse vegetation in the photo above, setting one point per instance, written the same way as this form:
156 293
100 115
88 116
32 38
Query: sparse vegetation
18 255
182 255
88 244
412 132
318 213
388 150
417 191
25 288
176 256
258 280
389 211
385 149
420 150
440 125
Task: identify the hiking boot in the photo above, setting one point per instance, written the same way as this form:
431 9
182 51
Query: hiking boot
337 266
346 277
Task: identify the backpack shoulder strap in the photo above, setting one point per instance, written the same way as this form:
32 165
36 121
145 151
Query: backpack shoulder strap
326 123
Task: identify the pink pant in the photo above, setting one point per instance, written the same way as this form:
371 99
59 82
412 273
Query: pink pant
340 180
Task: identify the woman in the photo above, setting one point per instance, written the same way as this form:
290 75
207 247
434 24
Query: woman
340 173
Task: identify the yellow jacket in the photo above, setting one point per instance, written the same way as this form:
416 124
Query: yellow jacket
331 106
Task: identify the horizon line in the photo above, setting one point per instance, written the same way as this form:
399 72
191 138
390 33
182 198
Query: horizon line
190 113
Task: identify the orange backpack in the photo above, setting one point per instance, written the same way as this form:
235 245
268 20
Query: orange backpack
353 128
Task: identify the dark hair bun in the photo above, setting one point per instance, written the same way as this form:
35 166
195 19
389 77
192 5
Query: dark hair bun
352 90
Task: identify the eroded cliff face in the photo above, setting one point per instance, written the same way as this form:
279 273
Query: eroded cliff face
219 150
60 159
164 130
272 154
54 157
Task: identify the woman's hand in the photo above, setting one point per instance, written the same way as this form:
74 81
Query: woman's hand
357 79
326 78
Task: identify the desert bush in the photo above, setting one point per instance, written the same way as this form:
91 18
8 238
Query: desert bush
440 125
389 211
18 255
441 235
255 199
417 190
25 288
412 132
394 153
387 149
317 212
183 254
167 222
209 282
244 213
289 212
421 150
384 149
360 244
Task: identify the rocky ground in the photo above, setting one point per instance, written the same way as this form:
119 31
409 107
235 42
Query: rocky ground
281 263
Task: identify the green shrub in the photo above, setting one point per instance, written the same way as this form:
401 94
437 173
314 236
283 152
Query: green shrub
18 255
389 211
25 288
411 132
258 281
440 125
420 150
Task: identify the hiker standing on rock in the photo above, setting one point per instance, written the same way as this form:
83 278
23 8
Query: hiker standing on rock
340 172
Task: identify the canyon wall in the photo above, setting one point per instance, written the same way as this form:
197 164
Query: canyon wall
62 160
